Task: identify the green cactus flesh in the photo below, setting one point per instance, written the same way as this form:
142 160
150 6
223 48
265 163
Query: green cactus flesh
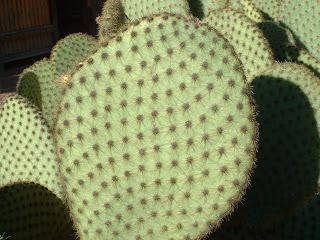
251 11
247 39
303 19
29 87
135 9
27 150
30 211
302 224
67 53
111 20
288 158
156 133
47 92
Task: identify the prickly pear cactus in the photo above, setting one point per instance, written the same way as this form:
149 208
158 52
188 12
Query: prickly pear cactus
31 211
288 158
111 20
67 53
156 133
27 151
237 28
135 9
44 89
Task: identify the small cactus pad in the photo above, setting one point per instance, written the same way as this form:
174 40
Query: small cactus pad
49 94
30 211
303 18
135 9
156 133
201 8
287 173
247 39
68 52
251 11
111 20
304 223
27 152
29 87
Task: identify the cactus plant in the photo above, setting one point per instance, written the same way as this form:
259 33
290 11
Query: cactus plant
43 92
156 133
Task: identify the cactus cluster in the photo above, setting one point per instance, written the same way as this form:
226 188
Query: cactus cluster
181 120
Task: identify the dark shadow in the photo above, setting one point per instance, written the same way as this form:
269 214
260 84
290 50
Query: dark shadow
303 224
288 157
297 40
274 34
30 211
196 8
266 16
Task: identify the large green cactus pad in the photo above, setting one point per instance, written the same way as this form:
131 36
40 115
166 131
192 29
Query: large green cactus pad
288 158
30 211
156 133
247 39
27 151
47 91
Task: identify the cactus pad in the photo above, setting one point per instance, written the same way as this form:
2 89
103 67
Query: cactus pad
30 211
288 159
27 151
68 52
156 133
247 39
111 20
29 87
251 11
135 9
47 92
